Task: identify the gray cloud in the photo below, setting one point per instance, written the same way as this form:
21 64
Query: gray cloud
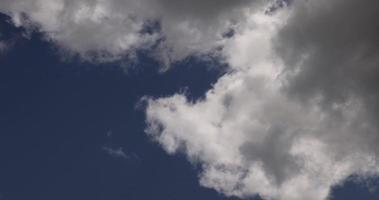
331 49
331 52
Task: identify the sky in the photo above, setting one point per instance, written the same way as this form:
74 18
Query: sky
179 99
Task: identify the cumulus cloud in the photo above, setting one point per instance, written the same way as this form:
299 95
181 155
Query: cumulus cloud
110 29
90 28
297 113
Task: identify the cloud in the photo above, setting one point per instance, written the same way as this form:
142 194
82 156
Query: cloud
115 152
104 30
112 150
332 54
296 115
90 28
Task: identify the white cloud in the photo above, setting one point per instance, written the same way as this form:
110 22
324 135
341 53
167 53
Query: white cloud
252 139
110 29
86 27
295 116
252 135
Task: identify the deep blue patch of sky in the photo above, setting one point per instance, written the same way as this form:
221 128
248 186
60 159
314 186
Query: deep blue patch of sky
57 116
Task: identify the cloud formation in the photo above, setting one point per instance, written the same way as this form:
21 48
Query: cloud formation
109 29
297 113
296 116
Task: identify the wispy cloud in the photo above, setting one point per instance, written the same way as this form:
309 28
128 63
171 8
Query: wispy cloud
116 152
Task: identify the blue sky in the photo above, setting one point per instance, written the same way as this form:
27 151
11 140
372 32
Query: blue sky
77 127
